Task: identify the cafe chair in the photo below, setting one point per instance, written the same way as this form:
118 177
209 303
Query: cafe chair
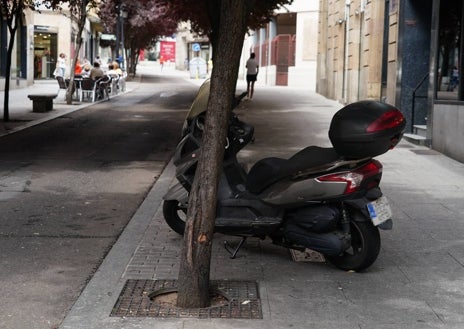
103 87
122 81
88 89
61 85
114 84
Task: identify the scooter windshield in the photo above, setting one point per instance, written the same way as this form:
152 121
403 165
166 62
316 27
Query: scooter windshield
201 101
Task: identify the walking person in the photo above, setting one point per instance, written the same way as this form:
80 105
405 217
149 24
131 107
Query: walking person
252 74
454 81
62 64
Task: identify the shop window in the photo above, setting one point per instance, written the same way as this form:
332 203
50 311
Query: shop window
449 75
45 54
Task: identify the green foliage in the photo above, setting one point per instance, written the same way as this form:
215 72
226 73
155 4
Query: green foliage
204 14
76 8
146 21
12 11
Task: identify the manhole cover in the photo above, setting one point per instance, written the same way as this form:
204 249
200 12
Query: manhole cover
308 255
243 301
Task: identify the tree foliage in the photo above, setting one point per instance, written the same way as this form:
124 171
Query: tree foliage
205 19
147 20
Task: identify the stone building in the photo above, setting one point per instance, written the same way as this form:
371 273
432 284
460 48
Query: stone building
44 35
404 52
356 50
286 48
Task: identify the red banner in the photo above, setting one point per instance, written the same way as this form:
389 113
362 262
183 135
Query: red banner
168 51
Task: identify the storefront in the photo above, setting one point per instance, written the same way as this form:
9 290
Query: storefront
446 76
430 90
45 51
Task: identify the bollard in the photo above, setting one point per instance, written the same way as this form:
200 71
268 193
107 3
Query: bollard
18 76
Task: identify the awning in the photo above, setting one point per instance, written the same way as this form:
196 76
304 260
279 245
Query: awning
107 36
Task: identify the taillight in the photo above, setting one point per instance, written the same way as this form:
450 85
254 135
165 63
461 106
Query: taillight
354 179
390 119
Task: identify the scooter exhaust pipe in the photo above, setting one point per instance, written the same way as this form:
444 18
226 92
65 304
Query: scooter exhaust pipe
330 244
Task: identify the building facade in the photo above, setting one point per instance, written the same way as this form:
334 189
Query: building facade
191 46
39 42
404 52
350 50
21 62
286 48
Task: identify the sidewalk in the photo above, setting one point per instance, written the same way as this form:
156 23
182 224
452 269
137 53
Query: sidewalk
417 281
20 106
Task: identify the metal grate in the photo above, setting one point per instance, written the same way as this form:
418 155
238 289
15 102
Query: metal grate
243 301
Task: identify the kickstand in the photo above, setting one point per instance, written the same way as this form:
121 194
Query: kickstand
233 252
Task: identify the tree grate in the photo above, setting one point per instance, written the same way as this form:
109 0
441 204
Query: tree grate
243 301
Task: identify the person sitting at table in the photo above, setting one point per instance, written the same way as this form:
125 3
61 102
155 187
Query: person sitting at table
78 68
96 72
117 68
112 72
86 71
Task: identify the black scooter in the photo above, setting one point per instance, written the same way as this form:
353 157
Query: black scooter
324 199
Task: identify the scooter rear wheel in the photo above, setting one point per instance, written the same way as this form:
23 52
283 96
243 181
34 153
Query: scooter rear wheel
365 247
175 215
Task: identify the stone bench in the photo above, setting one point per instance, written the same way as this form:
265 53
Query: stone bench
42 102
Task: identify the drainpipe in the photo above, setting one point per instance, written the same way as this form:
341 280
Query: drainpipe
262 35
345 52
360 13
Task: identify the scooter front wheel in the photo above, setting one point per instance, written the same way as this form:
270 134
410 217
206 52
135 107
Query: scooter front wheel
365 247
175 215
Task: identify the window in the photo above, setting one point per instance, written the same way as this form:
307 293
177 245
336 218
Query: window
450 59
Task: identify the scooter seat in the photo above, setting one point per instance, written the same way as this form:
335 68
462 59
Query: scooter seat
267 171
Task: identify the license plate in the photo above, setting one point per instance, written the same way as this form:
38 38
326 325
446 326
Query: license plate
379 210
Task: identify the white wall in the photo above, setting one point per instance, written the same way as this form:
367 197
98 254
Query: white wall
448 130
300 5
63 24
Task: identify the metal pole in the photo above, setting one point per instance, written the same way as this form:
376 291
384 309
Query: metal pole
118 32
122 43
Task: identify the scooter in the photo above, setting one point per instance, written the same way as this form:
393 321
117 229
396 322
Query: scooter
324 199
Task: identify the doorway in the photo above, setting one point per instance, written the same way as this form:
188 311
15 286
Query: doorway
414 58
45 54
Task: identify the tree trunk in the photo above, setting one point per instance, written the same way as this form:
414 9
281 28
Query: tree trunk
82 15
9 53
13 24
70 90
193 281
130 69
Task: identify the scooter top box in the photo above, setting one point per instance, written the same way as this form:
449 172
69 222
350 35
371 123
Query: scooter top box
366 129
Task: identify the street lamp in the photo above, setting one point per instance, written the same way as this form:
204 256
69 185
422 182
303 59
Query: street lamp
123 16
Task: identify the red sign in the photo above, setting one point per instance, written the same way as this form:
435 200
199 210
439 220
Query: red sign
168 51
